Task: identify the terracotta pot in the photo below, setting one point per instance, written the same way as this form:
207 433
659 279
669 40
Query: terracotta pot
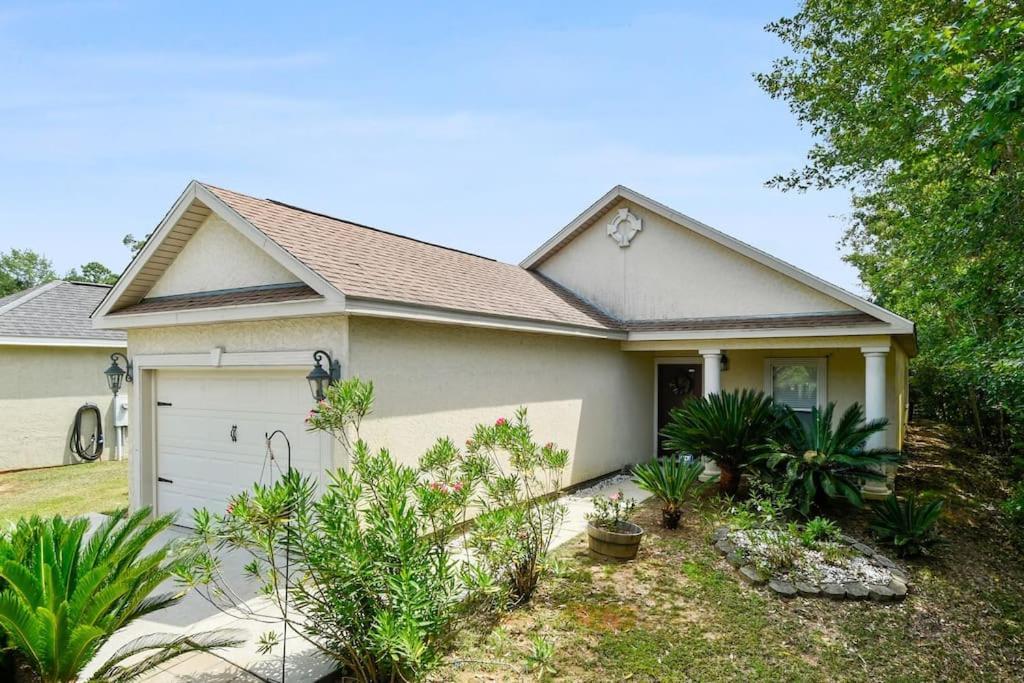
619 546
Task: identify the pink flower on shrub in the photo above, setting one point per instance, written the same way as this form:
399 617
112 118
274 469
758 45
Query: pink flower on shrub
615 497
458 486
230 509
501 422
550 445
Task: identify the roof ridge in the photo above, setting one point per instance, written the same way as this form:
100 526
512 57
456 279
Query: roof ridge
351 222
29 294
87 284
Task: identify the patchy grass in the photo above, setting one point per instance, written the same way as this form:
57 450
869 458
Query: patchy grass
679 612
67 490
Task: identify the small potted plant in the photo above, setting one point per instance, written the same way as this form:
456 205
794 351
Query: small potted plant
609 535
673 481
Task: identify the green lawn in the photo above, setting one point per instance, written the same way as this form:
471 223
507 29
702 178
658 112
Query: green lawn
68 490
678 612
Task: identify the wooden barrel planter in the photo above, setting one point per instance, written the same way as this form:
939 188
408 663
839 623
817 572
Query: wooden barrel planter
620 545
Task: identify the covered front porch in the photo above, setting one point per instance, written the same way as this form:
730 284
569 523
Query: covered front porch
802 372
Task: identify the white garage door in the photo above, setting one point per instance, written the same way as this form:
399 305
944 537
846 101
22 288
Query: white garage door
211 435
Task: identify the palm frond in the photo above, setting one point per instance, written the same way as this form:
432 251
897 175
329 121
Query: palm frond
167 646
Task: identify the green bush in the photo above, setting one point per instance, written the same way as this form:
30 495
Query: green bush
519 515
1014 505
372 580
819 463
819 530
732 429
378 576
65 593
671 480
907 525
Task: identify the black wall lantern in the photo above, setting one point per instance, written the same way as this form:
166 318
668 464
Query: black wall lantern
319 378
116 375
723 364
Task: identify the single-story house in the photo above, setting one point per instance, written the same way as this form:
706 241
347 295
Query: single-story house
617 317
51 363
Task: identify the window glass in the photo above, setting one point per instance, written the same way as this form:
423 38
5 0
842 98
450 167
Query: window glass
796 385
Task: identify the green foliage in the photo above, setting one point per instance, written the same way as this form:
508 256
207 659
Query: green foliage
539 660
1014 505
817 531
94 272
732 429
64 594
907 525
917 107
611 512
23 268
767 505
373 581
821 462
671 480
519 516
378 578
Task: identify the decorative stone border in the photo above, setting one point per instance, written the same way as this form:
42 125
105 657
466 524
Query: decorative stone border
895 590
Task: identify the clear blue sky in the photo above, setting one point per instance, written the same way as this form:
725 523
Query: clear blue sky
483 128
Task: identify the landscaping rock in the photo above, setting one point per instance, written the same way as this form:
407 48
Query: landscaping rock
885 562
900 574
856 591
720 534
880 593
725 546
751 575
836 591
735 559
863 549
808 589
783 588
898 588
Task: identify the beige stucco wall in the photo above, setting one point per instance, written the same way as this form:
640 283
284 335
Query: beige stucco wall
437 380
219 257
669 272
41 389
845 381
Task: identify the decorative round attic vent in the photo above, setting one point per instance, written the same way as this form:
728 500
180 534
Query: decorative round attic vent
624 227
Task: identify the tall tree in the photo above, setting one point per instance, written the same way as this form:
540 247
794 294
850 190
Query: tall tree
23 268
917 106
95 272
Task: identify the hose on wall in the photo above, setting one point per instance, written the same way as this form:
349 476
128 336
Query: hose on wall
94 448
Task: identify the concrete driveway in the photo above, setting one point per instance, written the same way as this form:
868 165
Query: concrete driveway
194 614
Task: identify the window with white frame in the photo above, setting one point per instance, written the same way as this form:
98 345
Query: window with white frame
798 383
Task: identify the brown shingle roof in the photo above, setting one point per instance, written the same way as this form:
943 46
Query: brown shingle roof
752 323
58 310
367 263
228 297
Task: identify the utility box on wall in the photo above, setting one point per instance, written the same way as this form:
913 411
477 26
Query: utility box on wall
121 411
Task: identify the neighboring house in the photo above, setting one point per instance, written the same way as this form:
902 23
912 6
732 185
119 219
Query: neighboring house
51 363
619 316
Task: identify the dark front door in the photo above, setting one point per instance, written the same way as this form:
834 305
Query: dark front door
676 385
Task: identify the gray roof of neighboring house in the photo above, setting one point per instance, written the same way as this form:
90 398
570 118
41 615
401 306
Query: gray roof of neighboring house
56 310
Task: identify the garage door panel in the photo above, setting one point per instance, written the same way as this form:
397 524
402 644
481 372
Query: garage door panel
199 463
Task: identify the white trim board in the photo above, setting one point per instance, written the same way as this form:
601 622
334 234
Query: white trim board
899 324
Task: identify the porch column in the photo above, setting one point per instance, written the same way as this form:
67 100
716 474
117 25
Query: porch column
712 385
875 408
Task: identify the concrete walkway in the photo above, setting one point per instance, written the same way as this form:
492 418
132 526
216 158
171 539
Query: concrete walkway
303 664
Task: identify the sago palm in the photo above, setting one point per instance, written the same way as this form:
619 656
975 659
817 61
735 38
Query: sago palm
732 429
672 481
821 461
64 593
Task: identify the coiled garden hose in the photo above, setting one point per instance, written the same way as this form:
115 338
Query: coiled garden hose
94 448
